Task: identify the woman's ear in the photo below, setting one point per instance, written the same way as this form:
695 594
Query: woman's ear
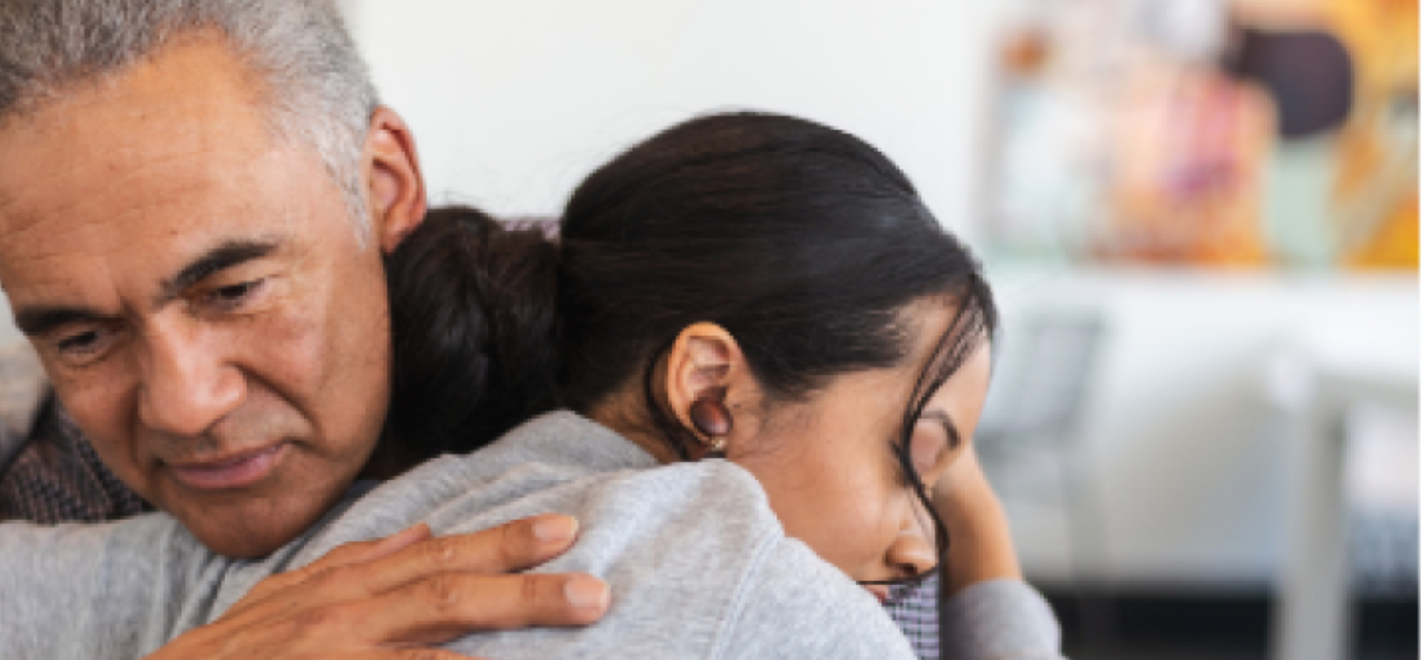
395 193
705 361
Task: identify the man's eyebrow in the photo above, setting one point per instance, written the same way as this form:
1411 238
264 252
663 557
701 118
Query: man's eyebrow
37 321
228 254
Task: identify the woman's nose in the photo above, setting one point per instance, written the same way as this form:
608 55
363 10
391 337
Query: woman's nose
911 552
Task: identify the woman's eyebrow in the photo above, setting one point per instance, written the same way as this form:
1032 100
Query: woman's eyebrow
954 438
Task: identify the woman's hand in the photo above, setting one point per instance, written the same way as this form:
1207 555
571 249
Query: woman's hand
399 596
981 547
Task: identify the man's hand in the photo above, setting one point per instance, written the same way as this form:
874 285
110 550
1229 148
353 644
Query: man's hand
399 596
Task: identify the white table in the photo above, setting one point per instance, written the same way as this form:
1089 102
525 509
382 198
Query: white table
1319 378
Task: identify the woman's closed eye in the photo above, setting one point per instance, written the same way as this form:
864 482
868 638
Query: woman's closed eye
933 437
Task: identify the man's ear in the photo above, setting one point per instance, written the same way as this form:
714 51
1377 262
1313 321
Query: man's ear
706 361
395 186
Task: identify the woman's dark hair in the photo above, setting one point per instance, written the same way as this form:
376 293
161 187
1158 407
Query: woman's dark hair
473 323
804 242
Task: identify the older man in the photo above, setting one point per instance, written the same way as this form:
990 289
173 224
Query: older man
195 198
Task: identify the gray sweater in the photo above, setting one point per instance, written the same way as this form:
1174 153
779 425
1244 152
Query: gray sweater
699 565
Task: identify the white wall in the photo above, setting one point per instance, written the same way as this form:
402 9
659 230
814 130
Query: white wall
514 102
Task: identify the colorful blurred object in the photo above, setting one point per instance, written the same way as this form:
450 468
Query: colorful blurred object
1376 187
1209 133
1187 152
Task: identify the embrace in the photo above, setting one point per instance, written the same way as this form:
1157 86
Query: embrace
726 412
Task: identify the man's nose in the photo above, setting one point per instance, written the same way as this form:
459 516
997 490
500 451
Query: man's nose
188 383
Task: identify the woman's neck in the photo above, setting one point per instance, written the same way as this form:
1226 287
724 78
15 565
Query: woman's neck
627 416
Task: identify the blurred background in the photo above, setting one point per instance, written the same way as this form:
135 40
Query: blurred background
1200 217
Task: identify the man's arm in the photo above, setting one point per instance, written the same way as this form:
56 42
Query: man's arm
400 596
387 595
390 598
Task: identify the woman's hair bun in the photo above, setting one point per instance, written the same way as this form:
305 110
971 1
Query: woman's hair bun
474 323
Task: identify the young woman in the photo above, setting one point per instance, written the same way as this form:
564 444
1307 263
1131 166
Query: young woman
763 351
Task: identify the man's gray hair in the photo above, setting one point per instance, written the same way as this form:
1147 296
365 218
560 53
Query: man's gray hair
318 91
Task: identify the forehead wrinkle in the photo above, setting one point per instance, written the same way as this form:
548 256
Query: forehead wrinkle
102 127
74 205
207 157
69 244
204 176
40 258
59 289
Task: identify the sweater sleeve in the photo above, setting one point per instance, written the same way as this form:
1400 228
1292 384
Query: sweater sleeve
88 591
999 620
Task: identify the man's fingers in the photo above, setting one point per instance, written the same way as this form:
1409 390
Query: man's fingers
366 551
383 599
448 606
420 654
513 546
345 555
413 589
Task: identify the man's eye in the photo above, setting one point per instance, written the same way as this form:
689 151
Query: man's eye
80 342
84 346
229 297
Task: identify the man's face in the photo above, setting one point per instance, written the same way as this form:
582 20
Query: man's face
199 296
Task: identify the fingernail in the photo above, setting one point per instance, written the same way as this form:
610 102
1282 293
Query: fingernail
585 592
555 528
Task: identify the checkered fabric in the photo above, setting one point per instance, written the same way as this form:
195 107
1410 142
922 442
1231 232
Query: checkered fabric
57 477
914 608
